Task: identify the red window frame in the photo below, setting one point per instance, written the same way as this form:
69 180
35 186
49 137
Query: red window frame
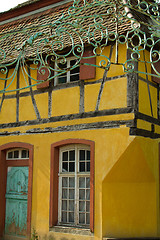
54 179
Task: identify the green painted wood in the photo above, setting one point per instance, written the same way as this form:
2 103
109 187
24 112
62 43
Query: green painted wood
16 201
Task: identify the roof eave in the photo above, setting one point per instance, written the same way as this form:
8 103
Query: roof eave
24 9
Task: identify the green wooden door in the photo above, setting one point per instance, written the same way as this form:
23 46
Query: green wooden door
16 201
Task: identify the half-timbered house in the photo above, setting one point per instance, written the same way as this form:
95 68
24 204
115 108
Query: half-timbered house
79 146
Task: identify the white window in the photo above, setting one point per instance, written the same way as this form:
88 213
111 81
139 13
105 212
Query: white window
67 76
74 185
17 154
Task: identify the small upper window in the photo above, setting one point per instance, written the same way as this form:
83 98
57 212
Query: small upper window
17 154
68 75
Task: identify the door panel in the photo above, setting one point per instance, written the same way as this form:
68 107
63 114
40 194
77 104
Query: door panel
16 201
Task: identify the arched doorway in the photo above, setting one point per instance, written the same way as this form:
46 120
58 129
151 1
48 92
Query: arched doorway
16 164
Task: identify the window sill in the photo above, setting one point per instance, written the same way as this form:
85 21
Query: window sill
71 230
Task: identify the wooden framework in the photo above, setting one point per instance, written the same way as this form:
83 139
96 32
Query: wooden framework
4 164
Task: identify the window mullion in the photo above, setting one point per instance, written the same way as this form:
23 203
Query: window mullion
76 186
68 200
56 78
68 72
60 200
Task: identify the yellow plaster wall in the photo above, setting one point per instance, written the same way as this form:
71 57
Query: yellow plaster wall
8 111
33 75
12 80
26 109
114 70
91 94
144 103
142 67
130 209
129 191
114 94
125 182
42 104
65 101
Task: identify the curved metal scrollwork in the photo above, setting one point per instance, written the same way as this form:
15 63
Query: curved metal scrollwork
96 23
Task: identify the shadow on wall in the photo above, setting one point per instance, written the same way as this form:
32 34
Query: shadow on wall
129 197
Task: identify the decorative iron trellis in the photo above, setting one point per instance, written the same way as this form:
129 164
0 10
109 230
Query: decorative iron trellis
95 23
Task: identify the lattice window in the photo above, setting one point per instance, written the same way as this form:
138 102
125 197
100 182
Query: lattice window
74 185
67 76
17 154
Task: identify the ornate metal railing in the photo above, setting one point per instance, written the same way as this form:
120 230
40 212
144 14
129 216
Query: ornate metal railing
95 23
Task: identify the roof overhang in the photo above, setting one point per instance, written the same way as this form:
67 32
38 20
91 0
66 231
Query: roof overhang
30 8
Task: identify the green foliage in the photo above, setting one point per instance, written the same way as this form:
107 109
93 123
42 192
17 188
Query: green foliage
34 235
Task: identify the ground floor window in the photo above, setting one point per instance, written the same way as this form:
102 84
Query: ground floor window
74 185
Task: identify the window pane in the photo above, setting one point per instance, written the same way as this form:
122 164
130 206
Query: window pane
74 78
82 206
88 155
87 218
62 66
65 167
82 218
87 206
71 205
87 182
72 155
75 70
82 155
81 182
64 182
72 62
82 166
24 153
71 194
16 154
71 181
64 217
64 205
62 79
71 217
65 156
88 194
81 194
10 155
64 193
71 167
88 166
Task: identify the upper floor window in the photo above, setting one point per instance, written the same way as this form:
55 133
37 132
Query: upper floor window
68 75
17 154
74 185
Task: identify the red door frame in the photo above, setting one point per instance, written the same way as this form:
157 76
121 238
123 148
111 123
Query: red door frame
3 179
